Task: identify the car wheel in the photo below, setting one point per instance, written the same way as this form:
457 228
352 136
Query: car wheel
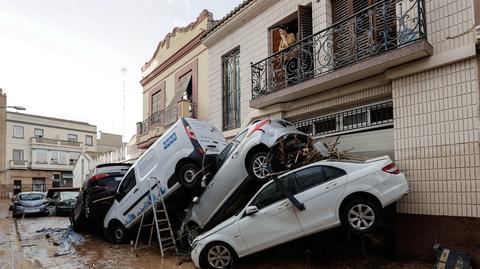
361 216
118 232
186 176
257 167
217 255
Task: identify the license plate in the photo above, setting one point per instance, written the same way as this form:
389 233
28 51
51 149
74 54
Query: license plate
31 210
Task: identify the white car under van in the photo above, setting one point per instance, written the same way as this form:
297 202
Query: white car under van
174 159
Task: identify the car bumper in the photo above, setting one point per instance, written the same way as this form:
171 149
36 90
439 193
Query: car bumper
30 210
195 255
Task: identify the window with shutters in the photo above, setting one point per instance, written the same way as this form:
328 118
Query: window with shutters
362 32
231 90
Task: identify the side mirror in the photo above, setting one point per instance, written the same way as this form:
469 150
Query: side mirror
251 210
195 200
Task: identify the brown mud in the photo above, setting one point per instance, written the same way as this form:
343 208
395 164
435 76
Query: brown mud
22 247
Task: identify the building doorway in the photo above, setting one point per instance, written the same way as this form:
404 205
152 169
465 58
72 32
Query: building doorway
17 187
38 184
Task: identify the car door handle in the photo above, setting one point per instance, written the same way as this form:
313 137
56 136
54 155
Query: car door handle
135 190
331 185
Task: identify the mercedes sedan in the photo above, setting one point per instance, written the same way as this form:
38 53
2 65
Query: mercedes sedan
331 193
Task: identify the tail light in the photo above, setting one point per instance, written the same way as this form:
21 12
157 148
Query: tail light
200 150
259 126
99 176
190 133
391 168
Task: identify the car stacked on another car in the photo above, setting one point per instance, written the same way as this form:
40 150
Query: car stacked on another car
171 165
96 194
344 192
241 171
29 203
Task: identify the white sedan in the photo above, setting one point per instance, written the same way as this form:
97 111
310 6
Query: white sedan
333 192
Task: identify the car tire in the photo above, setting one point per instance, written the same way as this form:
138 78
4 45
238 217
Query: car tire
217 255
117 233
257 167
361 216
185 176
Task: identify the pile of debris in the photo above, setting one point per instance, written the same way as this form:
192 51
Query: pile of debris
294 151
63 238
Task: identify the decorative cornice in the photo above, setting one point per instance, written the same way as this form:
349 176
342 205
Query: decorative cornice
205 14
195 42
248 10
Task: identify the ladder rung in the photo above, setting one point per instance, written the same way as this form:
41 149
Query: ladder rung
164 229
160 210
170 247
166 239
162 220
147 225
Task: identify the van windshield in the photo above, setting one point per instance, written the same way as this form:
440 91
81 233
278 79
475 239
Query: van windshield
229 148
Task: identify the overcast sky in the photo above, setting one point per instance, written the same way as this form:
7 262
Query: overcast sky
62 58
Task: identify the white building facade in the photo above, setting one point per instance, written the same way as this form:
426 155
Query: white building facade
396 77
41 152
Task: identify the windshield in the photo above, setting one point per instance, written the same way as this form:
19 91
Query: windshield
229 148
69 195
31 196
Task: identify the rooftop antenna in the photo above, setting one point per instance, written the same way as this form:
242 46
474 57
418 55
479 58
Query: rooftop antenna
123 70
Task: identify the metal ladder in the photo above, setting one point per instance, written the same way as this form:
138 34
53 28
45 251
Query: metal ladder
160 222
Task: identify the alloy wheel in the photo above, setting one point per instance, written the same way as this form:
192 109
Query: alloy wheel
260 167
189 176
219 257
361 217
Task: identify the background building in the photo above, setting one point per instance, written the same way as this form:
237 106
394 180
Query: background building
397 77
38 153
175 80
41 152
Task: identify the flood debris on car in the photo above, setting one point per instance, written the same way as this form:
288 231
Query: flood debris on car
293 151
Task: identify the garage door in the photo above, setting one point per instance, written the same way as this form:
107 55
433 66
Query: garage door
368 144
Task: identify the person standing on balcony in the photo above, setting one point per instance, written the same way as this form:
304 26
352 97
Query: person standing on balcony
290 61
287 39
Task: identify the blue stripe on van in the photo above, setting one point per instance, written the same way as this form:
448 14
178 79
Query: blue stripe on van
139 200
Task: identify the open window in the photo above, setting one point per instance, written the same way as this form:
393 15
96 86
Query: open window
297 26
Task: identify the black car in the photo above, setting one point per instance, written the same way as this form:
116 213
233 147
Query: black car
62 200
96 195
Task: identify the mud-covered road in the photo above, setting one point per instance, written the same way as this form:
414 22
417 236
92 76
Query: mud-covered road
22 247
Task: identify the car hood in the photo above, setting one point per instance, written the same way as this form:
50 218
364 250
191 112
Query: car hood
31 203
217 228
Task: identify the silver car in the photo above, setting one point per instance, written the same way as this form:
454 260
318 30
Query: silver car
241 171
26 203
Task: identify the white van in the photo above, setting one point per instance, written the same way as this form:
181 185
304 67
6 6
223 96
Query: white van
174 159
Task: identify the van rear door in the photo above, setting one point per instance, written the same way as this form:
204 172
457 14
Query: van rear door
208 136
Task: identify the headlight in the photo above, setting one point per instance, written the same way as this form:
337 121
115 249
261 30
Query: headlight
194 244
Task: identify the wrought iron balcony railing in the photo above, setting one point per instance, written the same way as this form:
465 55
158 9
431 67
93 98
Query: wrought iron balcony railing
161 118
384 26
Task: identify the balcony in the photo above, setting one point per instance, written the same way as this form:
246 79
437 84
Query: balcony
157 123
18 164
54 142
53 165
368 43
